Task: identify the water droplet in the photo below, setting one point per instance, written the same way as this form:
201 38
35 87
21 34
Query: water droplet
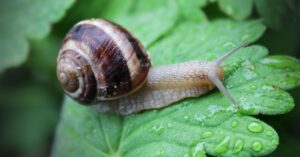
257 146
207 134
186 117
270 133
270 61
221 132
158 128
200 154
223 146
229 44
161 152
199 150
253 87
255 127
283 83
234 124
170 125
238 145
248 108
275 142
245 37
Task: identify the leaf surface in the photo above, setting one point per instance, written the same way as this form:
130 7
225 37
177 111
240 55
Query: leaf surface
196 126
236 9
21 20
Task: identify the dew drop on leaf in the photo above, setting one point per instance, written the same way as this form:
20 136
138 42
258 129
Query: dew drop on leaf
246 37
223 146
161 152
199 150
257 146
248 107
207 134
275 142
255 127
283 83
234 124
158 128
170 125
186 117
270 133
221 132
229 44
238 145
253 87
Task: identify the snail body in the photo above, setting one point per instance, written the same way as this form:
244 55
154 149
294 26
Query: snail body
103 65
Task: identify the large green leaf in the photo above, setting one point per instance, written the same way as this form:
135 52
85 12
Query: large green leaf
273 12
21 20
196 126
236 9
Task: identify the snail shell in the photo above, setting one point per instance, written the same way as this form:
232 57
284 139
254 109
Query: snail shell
100 60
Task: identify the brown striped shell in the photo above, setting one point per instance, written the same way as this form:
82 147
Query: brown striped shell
100 60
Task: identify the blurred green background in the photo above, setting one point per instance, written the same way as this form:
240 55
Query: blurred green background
30 35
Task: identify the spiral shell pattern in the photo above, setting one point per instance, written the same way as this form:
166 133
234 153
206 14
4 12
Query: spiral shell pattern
100 60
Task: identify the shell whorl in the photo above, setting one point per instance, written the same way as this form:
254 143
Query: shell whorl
100 60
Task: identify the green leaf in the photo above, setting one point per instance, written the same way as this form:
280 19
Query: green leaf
203 41
273 11
142 12
82 132
195 126
280 65
149 33
22 20
115 8
191 10
161 25
237 9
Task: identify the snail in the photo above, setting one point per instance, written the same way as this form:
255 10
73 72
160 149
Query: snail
103 65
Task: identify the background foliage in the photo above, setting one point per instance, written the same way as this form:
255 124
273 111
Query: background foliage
31 99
